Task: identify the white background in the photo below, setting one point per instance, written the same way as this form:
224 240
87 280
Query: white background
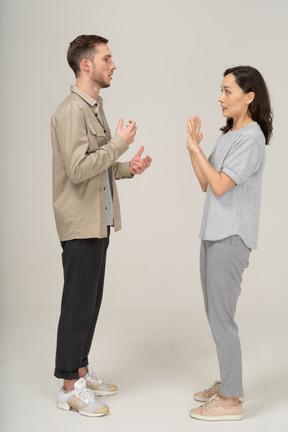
152 337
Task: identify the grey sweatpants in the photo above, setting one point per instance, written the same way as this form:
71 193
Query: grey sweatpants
222 264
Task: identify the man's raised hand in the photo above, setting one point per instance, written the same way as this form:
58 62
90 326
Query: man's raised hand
129 132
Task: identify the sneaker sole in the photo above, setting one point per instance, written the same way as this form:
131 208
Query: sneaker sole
64 406
218 418
104 393
199 399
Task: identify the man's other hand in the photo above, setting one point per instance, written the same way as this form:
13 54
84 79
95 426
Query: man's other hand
138 165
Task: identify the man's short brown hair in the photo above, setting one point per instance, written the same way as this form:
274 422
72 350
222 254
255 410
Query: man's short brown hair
82 47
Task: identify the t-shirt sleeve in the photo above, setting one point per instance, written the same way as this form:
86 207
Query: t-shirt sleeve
243 160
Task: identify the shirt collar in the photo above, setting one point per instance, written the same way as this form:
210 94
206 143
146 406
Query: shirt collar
86 97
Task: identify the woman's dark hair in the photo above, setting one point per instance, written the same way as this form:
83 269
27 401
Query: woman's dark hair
83 46
250 80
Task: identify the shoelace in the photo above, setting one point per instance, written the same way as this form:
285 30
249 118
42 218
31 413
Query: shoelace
214 386
85 395
214 401
94 377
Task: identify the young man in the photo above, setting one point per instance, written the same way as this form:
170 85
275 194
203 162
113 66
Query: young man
86 204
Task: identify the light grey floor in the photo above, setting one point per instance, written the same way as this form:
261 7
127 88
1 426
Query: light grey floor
157 358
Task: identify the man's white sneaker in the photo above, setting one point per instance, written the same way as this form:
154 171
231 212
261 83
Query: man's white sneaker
81 399
99 387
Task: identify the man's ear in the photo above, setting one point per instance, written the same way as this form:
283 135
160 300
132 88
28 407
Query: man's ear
85 65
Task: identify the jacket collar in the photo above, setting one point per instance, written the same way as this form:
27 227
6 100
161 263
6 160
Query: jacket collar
85 96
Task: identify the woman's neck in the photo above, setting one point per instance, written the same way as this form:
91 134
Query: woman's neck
242 121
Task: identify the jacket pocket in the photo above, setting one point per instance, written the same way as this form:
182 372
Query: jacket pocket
96 136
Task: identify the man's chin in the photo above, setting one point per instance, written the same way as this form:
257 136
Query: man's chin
105 85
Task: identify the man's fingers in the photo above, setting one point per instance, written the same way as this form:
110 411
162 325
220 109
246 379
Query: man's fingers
147 160
120 123
140 151
132 123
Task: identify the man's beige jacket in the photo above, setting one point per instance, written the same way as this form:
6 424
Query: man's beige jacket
82 150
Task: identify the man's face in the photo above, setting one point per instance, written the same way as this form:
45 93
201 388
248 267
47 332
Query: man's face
102 66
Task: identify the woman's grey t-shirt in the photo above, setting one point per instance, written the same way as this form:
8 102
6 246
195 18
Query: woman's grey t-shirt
241 155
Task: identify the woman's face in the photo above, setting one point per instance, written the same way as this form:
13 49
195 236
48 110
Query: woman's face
234 102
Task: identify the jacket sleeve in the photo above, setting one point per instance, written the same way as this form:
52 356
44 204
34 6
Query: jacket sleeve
121 170
71 131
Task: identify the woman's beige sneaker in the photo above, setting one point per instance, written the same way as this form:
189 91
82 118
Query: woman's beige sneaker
82 400
214 410
214 389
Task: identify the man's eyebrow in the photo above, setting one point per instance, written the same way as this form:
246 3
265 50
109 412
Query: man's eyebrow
225 87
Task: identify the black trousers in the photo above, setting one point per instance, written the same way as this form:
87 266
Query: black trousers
84 269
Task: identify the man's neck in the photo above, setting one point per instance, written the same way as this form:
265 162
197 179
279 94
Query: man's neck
92 90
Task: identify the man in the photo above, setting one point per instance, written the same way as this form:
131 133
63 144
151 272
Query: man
86 204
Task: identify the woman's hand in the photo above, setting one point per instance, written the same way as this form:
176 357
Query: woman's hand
219 183
194 136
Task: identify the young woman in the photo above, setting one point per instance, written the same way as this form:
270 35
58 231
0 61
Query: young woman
232 179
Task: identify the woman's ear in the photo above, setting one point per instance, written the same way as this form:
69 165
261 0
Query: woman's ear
250 97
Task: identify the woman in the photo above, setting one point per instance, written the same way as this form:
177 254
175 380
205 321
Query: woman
232 178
